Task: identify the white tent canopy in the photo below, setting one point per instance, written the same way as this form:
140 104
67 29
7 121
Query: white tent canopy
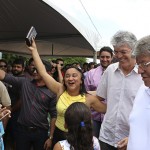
57 36
75 13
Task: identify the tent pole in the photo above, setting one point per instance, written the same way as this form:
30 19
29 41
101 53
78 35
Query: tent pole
95 57
1 55
52 49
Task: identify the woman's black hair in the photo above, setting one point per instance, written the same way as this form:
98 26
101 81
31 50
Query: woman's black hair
78 121
82 87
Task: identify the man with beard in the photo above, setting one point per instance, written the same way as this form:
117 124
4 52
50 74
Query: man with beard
29 68
18 67
10 136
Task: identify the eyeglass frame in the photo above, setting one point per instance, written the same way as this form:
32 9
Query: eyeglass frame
143 65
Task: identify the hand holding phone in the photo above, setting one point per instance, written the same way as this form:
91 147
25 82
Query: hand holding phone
31 34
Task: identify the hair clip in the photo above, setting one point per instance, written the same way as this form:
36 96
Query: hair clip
82 124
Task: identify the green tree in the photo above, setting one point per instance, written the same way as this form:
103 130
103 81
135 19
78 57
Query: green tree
71 60
10 57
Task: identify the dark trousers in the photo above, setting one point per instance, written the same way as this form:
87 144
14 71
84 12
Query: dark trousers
96 128
105 146
30 137
10 131
58 136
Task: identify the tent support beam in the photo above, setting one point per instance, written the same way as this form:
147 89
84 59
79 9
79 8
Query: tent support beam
52 49
95 57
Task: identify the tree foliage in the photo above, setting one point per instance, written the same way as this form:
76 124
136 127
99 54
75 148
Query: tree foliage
10 57
71 60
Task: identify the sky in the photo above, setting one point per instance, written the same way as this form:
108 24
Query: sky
109 16
106 17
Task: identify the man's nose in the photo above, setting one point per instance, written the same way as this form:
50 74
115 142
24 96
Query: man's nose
104 59
118 55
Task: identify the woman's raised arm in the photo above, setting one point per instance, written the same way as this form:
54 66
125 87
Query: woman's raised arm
50 82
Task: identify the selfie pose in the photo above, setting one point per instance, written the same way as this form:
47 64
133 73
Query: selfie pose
37 102
71 91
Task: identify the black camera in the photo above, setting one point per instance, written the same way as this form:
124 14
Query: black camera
31 34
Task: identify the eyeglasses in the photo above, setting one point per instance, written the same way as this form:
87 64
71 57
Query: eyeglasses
3 66
34 69
143 65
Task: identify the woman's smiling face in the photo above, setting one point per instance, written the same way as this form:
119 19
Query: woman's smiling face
72 79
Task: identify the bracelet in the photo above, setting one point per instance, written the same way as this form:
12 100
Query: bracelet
51 137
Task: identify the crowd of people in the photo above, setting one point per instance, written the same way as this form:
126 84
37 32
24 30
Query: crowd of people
74 107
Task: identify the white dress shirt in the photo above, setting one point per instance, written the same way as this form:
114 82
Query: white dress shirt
139 120
120 91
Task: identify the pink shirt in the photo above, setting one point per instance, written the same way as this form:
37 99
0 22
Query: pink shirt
91 82
93 78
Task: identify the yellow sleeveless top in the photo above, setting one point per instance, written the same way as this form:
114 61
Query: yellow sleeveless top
64 101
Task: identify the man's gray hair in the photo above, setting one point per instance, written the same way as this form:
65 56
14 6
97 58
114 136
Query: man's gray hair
142 46
124 38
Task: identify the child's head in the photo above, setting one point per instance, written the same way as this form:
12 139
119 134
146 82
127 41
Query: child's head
78 122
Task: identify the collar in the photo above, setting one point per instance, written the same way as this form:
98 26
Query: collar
35 83
116 68
135 69
147 90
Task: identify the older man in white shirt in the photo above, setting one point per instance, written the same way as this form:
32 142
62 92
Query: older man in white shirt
119 85
139 137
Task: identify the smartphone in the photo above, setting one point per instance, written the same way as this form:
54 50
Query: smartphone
31 34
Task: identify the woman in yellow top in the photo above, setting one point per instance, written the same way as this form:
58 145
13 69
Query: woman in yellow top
71 91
